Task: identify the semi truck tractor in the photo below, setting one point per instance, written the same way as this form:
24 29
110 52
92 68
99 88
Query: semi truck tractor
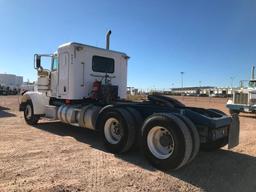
244 99
86 87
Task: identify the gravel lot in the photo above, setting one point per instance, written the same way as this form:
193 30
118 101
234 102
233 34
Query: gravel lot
56 157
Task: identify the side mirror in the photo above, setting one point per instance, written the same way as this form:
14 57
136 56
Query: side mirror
37 61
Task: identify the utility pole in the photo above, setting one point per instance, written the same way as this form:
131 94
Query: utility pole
200 87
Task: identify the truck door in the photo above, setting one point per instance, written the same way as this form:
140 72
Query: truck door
63 73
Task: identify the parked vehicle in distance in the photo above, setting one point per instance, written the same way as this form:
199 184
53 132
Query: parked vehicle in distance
202 95
244 100
6 90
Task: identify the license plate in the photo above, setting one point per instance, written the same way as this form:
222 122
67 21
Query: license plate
220 133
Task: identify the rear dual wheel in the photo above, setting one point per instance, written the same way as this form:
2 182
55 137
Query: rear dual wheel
194 134
168 140
117 128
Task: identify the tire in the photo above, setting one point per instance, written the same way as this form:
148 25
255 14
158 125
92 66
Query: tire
136 116
213 146
29 115
174 134
195 136
117 129
138 124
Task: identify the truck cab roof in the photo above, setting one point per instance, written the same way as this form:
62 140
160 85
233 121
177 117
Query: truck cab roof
84 45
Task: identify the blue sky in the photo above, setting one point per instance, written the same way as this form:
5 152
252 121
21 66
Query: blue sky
210 40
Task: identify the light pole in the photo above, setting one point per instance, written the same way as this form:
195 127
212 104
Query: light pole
232 78
182 73
200 87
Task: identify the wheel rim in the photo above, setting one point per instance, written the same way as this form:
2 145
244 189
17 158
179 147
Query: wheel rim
112 131
160 142
28 112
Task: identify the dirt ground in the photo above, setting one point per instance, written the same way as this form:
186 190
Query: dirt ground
56 157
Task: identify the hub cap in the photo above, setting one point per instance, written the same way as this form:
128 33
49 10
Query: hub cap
160 142
112 131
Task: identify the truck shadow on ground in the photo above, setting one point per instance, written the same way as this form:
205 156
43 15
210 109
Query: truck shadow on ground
211 171
221 170
4 113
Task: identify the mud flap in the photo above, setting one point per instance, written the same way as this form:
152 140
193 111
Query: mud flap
233 137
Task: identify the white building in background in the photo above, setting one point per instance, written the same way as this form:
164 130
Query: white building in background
10 80
206 90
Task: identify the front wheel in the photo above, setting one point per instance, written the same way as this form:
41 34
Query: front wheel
29 115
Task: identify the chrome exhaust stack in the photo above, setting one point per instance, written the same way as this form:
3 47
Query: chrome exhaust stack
108 39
